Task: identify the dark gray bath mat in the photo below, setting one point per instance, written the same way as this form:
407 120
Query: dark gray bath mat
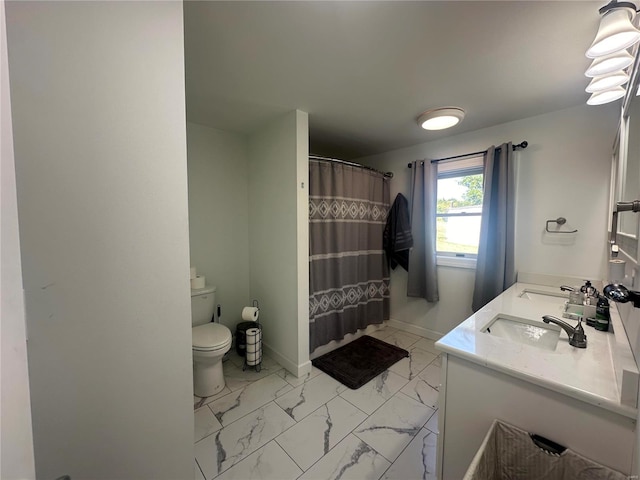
359 361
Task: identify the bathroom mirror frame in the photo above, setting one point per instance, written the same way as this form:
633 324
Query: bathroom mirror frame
625 168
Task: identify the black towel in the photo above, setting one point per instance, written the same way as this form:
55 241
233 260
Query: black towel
397 233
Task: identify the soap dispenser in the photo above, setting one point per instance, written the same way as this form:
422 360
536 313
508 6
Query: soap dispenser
589 290
602 319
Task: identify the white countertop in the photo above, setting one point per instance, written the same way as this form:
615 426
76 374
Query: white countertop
585 374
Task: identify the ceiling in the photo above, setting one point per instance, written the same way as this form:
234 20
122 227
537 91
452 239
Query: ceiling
365 70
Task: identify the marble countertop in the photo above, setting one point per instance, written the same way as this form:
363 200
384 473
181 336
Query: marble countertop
585 374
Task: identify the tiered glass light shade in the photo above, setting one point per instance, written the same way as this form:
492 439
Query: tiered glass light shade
616 32
609 63
609 51
606 96
605 82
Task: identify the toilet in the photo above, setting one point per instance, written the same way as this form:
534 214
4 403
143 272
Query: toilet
210 342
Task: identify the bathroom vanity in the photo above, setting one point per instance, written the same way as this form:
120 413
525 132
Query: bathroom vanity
504 363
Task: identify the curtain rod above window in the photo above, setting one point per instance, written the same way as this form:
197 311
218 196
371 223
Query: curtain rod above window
523 144
352 164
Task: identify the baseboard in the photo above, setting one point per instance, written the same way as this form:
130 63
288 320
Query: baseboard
290 366
304 368
410 328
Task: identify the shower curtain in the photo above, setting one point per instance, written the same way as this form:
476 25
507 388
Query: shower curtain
348 270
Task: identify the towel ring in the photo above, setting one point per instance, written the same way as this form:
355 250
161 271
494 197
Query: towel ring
559 221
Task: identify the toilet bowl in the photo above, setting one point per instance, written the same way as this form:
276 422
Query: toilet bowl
210 342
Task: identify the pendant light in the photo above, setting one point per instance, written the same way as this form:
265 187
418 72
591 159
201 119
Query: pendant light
616 30
441 118
616 34
605 82
609 63
606 96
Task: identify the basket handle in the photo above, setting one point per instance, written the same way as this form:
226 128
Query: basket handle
549 446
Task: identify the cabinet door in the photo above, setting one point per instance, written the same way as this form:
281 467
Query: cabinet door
476 395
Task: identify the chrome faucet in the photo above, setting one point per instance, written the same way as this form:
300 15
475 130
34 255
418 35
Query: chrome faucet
587 289
577 337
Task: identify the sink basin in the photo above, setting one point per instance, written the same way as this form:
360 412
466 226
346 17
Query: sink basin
525 331
542 296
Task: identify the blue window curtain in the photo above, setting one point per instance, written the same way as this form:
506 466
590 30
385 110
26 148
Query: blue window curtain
422 279
495 269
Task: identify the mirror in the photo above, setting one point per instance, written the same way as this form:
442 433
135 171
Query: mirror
625 168
630 178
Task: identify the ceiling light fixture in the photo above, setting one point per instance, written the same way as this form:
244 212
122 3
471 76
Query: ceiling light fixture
441 118
609 63
616 34
605 82
616 30
606 96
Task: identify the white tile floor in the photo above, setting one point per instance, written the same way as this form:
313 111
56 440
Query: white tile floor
272 425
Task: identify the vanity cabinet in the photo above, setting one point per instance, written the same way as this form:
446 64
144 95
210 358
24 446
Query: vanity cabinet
472 396
583 399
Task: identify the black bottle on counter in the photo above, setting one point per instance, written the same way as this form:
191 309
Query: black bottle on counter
602 315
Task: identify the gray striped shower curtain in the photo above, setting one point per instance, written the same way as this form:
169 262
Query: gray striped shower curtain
348 271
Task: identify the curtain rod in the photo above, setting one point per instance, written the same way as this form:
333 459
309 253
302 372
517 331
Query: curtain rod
523 144
327 159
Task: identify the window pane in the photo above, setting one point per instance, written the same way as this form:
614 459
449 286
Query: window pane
458 234
461 194
457 192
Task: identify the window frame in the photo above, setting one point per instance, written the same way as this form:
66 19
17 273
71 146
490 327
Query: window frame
465 168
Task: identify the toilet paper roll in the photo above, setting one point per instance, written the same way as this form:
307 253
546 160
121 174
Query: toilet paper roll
250 314
254 346
197 282
616 270
251 359
193 273
253 337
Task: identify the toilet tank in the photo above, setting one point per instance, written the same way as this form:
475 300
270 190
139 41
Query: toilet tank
203 304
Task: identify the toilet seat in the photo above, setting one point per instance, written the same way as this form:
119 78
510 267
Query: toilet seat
210 337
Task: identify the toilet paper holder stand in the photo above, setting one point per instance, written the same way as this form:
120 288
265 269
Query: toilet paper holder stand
256 362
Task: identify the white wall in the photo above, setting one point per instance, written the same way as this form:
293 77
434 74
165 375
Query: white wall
302 236
278 243
16 439
564 172
219 215
97 92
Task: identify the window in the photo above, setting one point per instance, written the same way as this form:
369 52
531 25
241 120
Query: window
459 208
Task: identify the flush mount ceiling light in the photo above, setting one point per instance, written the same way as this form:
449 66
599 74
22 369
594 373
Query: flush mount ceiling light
606 96
605 82
609 63
441 118
616 30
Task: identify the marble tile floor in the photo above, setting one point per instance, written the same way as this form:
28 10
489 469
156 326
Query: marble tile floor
272 425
